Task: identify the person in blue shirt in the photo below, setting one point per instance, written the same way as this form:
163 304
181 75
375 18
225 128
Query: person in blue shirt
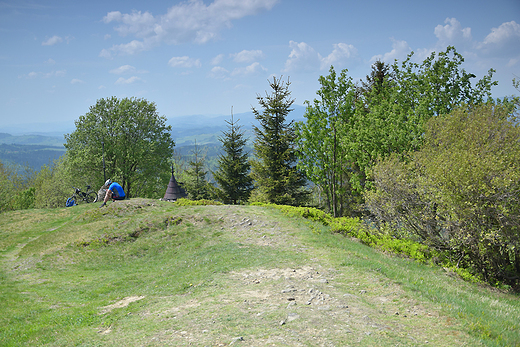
114 192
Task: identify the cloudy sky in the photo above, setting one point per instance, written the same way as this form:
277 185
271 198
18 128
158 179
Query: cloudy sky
58 57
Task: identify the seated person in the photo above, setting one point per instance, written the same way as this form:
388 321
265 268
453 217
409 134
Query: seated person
114 192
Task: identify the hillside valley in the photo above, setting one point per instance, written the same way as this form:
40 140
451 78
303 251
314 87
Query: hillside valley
40 144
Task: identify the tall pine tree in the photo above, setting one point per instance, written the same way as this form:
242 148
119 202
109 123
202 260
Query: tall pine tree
232 174
277 179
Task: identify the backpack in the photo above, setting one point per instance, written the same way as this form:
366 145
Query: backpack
70 202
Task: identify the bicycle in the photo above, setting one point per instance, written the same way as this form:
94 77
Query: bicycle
88 196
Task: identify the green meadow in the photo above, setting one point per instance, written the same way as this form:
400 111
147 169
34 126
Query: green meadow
151 273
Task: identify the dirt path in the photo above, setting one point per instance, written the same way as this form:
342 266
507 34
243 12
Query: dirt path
311 304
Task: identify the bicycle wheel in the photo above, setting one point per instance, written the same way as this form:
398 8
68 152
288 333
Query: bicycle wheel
91 197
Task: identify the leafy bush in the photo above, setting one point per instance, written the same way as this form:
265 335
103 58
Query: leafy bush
53 185
459 194
24 199
355 227
15 181
202 202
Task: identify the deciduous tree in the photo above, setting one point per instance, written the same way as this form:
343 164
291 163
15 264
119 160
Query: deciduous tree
390 118
322 154
137 146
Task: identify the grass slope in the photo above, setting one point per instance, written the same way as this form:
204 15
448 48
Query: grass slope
150 273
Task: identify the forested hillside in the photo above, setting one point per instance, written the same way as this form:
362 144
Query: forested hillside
33 156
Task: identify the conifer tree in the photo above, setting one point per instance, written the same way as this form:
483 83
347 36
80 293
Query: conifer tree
196 185
277 179
232 174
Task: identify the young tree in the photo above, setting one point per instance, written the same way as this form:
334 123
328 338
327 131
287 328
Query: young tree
233 166
195 177
277 179
322 155
137 145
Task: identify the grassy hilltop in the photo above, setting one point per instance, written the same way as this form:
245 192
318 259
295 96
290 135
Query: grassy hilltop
151 273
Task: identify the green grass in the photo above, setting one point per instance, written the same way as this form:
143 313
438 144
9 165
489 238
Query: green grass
60 269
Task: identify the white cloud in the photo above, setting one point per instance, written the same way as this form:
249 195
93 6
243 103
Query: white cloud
137 23
52 41
249 70
217 60
76 81
302 58
189 21
219 72
59 73
340 54
123 69
130 48
400 49
504 40
34 74
452 34
105 53
50 61
247 56
130 80
184 61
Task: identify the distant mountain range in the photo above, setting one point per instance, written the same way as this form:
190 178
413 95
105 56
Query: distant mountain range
39 144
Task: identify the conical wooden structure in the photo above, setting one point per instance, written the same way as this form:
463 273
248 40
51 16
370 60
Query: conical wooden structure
174 190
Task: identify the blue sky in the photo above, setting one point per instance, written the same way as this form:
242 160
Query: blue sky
204 57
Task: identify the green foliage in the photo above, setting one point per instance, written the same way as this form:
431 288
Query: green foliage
53 184
460 193
355 227
137 146
15 187
321 152
391 118
23 199
202 202
311 213
232 174
276 177
194 177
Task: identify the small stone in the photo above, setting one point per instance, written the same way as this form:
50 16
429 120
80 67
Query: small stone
292 316
236 339
282 322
